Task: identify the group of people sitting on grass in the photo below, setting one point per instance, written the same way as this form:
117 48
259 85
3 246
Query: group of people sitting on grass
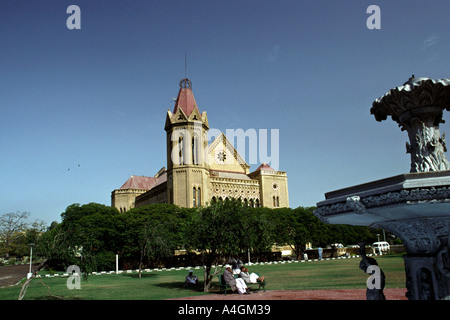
240 283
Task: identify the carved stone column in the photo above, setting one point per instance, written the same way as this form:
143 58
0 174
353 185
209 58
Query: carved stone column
427 263
417 108
415 206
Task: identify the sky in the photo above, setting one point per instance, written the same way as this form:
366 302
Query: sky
81 110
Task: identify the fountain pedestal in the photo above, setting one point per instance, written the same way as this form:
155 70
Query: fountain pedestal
414 206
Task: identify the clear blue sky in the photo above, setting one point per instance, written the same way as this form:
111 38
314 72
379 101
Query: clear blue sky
94 100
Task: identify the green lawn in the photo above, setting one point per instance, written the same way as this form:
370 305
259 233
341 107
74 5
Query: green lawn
156 285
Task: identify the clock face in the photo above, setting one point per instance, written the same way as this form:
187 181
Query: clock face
221 156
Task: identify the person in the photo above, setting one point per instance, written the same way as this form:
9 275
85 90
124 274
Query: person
320 250
372 293
234 283
190 279
250 277
235 265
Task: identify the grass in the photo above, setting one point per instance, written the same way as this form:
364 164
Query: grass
157 285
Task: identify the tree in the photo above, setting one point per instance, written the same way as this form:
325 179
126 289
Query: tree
219 231
29 236
12 226
85 238
261 230
154 230
296 227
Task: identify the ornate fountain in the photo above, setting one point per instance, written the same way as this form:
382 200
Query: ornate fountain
414 206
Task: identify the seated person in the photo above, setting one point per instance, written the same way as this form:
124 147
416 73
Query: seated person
190 279
235 284
235 265
250 277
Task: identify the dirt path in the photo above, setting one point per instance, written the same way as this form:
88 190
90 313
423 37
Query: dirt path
10 275
350 294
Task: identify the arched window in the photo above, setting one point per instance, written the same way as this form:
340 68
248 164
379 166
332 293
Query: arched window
195 157
181 150
199 197
278 201
274 202
194 198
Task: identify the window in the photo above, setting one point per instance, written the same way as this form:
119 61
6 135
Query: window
195 150
276 201
194 198
181 151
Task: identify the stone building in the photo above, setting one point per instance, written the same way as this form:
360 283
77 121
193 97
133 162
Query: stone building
197 172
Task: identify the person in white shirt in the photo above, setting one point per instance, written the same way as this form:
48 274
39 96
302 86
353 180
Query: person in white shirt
250 277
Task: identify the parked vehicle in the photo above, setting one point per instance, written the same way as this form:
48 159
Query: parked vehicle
381 246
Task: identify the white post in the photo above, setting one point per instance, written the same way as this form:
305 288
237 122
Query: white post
31 259
117 264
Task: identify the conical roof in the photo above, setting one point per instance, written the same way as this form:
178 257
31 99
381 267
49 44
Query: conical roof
185 100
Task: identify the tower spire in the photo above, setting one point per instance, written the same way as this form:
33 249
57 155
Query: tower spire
185 100
185 64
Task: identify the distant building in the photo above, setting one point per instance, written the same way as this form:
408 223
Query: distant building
198 173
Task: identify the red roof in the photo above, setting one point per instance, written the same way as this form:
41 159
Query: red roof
139 182
265 166
144 183
185 99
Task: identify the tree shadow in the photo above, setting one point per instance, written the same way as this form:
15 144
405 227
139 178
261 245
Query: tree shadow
179 285
136 275
55 299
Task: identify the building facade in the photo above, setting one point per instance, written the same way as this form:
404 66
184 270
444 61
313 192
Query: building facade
198 173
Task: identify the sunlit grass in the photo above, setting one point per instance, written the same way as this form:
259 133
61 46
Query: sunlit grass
156 285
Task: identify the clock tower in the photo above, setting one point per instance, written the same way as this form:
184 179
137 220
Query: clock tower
187 139
199 172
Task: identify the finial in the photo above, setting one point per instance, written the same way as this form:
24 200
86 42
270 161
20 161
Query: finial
186 83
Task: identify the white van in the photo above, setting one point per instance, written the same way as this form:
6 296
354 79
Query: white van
381 246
